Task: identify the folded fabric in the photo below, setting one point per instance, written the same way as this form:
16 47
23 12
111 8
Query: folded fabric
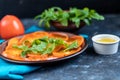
13 71
33 29
84 35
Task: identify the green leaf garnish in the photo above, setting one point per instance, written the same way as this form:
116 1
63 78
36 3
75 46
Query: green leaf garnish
49 49
72 46
23 54
73 15
44 45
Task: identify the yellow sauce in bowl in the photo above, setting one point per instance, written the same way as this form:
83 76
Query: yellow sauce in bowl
106 40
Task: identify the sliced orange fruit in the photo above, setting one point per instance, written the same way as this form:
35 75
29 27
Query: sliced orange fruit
11 42
79 39
36 57
72 51
59 35
13 54
31 37
40 34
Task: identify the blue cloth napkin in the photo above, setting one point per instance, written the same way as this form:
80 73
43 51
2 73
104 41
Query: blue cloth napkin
14 71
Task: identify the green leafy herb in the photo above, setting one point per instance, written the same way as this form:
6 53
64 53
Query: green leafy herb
24 49
49 49
23 53
72 46
43 45
74 15
21 47
39 47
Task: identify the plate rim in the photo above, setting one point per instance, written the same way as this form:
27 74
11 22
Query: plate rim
42 62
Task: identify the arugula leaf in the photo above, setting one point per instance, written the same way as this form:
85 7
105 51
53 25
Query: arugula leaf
45 39
57 41
23 54
44 45
76 21
39 48
40 22
36 42
49 49
21 47
73 45
64 16
87 21
64 22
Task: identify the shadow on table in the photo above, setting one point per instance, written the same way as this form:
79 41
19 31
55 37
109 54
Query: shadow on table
90 52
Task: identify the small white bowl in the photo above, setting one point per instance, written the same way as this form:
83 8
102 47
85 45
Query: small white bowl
105 44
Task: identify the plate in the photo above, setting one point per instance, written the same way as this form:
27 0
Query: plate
4 44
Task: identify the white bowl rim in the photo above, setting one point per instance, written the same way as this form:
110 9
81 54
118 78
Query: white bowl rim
95 37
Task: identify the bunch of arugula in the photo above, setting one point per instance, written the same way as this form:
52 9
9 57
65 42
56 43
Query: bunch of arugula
44 45
74 15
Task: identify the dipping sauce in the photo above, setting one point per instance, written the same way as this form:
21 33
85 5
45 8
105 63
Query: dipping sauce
106 40
105 44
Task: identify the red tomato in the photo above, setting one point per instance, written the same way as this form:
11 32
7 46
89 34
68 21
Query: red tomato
11 26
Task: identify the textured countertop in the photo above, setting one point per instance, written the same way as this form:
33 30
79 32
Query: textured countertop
89 65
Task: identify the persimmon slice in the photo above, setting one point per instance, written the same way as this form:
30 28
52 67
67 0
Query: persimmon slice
13 54
40 34
31 37
59 35
36 57
72 51
12 42
27 37
57 52
79 39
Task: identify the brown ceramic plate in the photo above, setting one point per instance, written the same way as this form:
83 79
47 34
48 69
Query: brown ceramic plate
4 44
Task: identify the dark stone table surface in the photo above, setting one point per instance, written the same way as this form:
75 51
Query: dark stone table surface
89 65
